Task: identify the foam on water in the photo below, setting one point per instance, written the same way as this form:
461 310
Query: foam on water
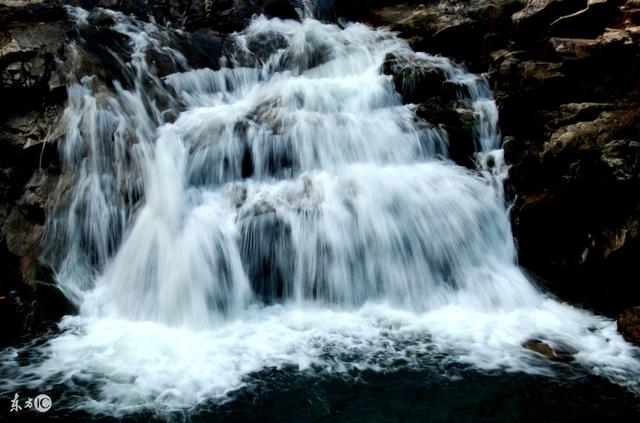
285 209
149 366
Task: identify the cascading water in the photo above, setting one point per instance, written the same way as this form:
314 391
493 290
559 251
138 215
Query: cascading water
286 209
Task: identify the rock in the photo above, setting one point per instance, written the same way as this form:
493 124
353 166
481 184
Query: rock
269 269
285 9
574 48
28 55
423 81
21 236
613 37
575 112
223 16
629 325
29 130
533 20
27 52
457 40
465 31
547 351
523 88
264 45
622 158
458 123
535 74
588 22
416 79
12 11
577 207
33 35
524 154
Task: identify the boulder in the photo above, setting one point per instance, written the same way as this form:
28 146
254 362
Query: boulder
415 78
423 81
629 325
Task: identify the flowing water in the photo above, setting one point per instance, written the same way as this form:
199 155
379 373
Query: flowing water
284 221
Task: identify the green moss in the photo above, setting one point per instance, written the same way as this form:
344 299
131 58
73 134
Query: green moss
423 18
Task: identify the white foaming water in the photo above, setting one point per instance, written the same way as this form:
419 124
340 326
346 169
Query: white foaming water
294 213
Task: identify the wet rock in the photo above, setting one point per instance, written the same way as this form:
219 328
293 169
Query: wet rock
547 351
266 247
264 45
465 31
415 79
459 124
576 209
629 325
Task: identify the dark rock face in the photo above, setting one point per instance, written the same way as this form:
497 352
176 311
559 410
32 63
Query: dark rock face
576 210
32 36
629 325
571 110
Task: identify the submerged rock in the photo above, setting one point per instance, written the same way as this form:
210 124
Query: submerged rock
547 351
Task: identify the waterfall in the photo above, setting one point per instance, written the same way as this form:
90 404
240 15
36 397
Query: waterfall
285 208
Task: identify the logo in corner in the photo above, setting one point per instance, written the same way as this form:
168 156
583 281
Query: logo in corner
42 403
